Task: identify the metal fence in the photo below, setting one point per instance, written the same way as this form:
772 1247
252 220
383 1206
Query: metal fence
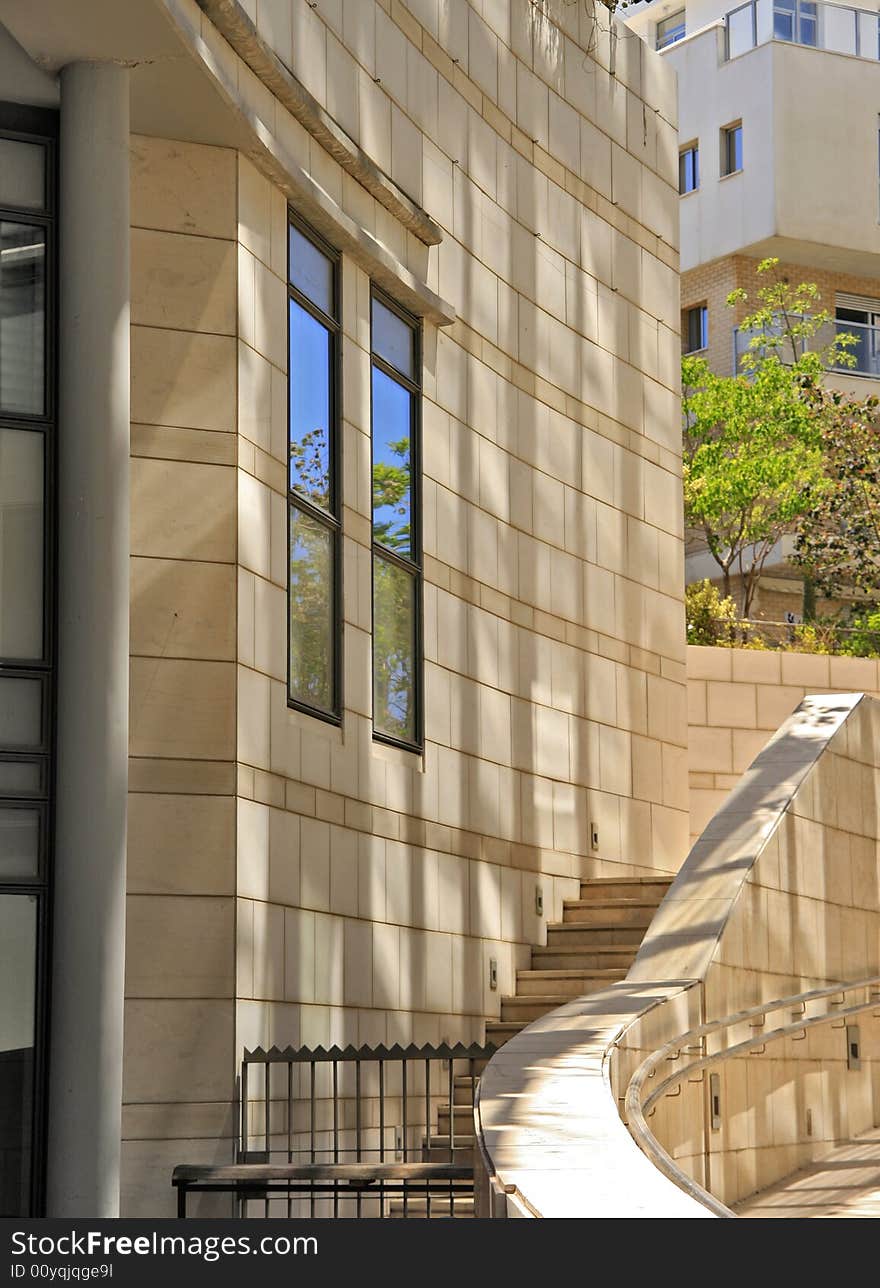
355 1131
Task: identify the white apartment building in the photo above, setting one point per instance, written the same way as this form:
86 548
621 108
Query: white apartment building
779 114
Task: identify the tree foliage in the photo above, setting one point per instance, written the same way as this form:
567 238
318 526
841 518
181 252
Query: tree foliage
753 441
839 541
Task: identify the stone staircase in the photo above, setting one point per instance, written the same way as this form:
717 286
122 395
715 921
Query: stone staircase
594 945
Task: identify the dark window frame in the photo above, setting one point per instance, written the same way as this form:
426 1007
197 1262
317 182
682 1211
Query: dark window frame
331 518
692 149
413 566
703 310
40 125
728 149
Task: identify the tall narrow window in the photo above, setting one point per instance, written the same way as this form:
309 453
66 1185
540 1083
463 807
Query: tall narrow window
696 329
732 149
315 618
27 639
689 169
397 557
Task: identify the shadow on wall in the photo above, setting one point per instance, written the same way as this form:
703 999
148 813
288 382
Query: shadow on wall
779 895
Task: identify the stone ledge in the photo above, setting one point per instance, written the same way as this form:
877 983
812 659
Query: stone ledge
234 24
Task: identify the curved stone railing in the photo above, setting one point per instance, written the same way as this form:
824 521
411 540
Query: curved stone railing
780 895
645 1089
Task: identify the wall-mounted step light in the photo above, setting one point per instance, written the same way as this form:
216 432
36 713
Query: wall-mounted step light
594 836
853 1047
715 1100
539 902
493 973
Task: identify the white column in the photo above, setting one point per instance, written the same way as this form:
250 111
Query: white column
85 1098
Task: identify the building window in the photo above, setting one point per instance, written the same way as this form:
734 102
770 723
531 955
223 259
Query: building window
732 149
796 20
27 639
859 316
397 572
314 501
695 331
689 169
671 29
742 29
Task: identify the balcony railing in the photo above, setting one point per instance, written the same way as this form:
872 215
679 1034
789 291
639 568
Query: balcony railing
866 350
836 28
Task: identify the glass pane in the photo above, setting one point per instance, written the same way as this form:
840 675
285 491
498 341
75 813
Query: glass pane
740 32
310 375
21 544
22 322
392 500
764 21
783 19
20 712
18 972
394 650
393 340
736 140
22 174
311 611
809 25
19 843
688 170
311 271
869 35
19 777
840 29
671 29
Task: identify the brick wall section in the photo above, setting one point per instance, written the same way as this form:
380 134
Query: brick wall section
712 283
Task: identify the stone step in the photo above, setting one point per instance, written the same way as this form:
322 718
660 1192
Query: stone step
464 1090
617 957
608 912
531 1008
498 1031
464 1120
570 934
438 1151
570 983
626 888
462 1207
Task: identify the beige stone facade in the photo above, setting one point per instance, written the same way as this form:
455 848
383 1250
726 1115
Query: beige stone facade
293 882
737 698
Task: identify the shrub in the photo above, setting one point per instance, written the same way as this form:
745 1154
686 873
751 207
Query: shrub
863 637
711 617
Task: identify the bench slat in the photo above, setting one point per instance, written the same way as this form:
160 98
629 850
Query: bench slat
244 1173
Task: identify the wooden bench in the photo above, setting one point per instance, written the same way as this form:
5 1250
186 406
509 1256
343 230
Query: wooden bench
258 1180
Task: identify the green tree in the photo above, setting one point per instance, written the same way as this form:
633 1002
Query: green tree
839 541
753 441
